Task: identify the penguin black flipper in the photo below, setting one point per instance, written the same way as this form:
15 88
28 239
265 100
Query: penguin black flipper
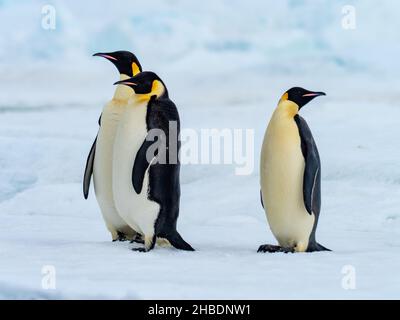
140 165
312 170
311 180
89 167
261 199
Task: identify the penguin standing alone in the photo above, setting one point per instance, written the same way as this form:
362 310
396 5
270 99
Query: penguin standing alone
99 161
146 190
290 172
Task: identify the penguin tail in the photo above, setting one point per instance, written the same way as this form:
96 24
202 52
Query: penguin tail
177 241
322 248
317 247
85 193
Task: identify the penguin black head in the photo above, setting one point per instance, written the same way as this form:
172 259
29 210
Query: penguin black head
125 61
146 83
301 96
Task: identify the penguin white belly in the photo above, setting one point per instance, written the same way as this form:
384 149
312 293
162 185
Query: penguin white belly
136 209
102 168
282 171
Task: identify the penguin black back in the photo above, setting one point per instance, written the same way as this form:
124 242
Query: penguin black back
163 114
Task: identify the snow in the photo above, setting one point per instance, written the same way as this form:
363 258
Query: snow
222 73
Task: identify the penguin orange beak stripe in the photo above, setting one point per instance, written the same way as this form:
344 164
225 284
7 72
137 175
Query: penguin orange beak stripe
314 94
126 83
105 56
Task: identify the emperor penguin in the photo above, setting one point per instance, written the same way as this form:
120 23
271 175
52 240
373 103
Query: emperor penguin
290 176
99 161
147 189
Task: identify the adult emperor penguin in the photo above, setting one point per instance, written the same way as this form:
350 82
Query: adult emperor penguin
290 172
147 188
99 161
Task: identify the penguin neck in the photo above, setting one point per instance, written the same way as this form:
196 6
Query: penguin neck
286 109
137 99
122 92
158 91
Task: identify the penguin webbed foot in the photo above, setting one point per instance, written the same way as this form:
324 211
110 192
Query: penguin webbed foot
137 239
121 237
149 243
269 248
139 249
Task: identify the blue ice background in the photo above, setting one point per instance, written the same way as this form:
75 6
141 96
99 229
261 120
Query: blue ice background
275 36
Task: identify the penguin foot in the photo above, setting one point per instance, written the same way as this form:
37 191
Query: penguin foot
121 237
137 239
272 249
139 249
149 243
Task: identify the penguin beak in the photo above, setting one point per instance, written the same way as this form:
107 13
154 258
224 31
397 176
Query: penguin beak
126 83
107 56
314 94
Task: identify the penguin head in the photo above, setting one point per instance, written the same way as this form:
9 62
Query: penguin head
125 61
146 85
300 96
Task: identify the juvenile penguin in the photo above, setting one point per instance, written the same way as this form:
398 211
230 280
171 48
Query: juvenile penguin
99 161
290 172
146 181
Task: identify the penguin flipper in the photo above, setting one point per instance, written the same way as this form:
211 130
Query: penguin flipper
89 166
142 163
312 170
262 202
89 169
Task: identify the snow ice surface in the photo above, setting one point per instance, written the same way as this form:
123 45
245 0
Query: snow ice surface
226 64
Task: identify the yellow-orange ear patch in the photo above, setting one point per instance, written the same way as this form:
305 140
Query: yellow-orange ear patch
285 96
135 69
157 88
